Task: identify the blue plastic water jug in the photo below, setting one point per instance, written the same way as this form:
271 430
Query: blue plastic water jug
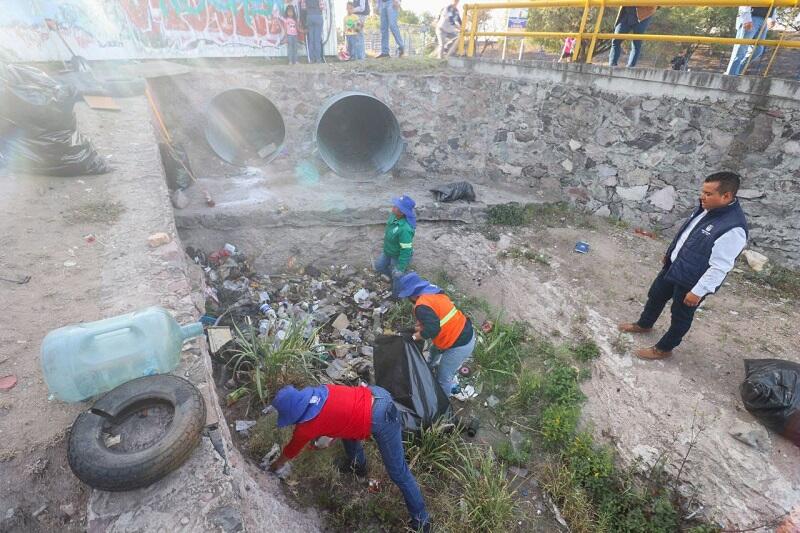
82 360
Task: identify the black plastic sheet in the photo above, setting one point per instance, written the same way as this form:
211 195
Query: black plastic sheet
401 370
460 190
771 393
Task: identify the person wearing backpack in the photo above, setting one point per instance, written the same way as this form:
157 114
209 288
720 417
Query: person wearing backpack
447 27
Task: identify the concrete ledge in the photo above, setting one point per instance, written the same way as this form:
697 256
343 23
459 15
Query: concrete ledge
641 81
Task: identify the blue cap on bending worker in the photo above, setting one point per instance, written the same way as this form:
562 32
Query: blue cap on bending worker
406 206
296 406
412 284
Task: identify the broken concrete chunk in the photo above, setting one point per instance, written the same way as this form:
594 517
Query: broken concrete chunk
341 322
755 260
158 239
112 440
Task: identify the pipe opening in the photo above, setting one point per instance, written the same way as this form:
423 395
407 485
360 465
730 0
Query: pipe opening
357 134
244 127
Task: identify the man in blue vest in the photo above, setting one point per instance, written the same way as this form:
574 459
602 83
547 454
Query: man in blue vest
696 263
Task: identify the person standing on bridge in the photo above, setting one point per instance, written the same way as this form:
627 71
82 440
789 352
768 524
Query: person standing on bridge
440 321
630 20
447 27
398 239
695 264
313 23
749 22
388 10
361 9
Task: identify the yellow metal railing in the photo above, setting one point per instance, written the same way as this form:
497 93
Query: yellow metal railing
469 30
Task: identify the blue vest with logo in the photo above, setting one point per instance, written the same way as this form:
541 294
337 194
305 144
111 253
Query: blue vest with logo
693 257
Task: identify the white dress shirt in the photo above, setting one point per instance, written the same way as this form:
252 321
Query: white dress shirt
725 251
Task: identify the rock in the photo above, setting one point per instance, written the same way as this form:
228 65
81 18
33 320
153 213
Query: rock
603 211
652 158
752 435
492 401
68 510
610 182
632 194
755 260
179 199
650 105
341 322
637 176
605 171
567 165
663 199
721 139
158 239
185 520
367 351
645 141
750 194
574 145
791 148
606 136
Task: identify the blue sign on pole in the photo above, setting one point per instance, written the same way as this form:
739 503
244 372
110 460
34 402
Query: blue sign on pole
517 19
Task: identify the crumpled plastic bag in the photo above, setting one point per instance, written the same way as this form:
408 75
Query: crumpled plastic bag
38 126
771 393
460 190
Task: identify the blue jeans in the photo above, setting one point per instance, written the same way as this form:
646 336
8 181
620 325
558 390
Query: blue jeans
682 315
636 46
447 362
741 52
291 48
362 48
352 46
388 265
389 22
314 37
387 434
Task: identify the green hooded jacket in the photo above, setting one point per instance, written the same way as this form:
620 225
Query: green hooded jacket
397 241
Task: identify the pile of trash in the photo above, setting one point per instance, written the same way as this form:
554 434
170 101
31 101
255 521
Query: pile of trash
342 308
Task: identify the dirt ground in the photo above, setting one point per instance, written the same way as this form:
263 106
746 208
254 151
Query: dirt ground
645 408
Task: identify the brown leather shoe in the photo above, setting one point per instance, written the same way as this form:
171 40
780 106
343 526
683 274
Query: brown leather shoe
652 353
633 328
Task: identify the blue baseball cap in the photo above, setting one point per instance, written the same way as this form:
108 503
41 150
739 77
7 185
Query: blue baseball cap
297 406
406 206
412 284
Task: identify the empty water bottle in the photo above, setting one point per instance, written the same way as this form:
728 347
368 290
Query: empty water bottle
82 360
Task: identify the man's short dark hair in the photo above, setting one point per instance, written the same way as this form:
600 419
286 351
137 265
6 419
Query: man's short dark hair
728 181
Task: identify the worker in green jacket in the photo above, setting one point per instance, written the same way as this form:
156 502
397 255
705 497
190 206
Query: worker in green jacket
398 240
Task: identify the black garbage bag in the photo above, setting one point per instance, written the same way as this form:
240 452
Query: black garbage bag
39 128
34 102
401 370
57 153
460 190
771 393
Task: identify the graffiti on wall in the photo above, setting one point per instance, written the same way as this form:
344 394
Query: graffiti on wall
128 29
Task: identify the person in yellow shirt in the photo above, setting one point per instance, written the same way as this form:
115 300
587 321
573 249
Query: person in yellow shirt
352 31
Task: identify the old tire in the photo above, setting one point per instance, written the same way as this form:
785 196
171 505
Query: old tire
118 469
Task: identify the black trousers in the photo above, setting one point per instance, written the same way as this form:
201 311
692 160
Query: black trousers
682 315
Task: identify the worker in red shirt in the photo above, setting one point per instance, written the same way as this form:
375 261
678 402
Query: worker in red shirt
351 414
439 320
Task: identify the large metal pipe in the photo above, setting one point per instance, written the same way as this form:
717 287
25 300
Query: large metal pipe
357 135
244 127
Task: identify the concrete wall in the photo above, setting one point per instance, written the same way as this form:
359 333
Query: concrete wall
127 29
634 144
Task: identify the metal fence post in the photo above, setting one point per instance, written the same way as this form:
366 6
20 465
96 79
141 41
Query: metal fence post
600 13
577 49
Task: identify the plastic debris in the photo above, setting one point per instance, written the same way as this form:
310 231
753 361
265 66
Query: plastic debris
112 440
466 393
8 382
243 427
582 247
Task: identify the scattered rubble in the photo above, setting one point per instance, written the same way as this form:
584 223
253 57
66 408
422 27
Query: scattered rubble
341 309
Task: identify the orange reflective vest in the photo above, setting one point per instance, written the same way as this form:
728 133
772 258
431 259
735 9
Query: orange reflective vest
451 320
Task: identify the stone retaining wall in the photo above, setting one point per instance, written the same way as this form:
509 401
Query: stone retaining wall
633 144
